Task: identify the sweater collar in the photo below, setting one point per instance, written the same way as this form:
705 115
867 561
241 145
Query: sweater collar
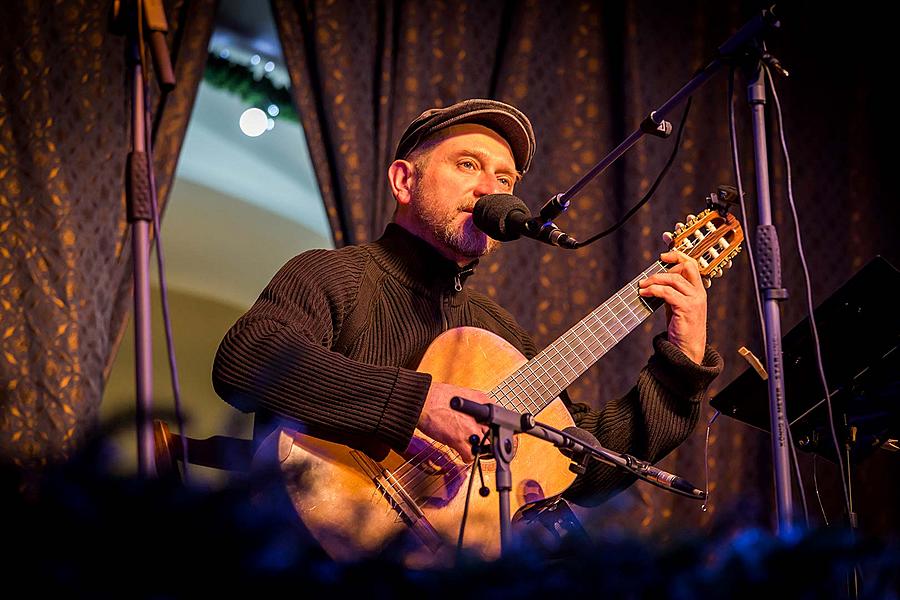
417 263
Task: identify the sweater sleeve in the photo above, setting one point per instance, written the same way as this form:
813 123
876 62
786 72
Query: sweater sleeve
278 357
650 421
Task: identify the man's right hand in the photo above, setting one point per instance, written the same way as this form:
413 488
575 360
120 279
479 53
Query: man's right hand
443 424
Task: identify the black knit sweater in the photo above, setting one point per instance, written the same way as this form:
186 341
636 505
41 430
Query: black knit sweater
333 341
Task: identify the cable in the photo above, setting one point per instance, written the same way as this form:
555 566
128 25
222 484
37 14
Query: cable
652 189
462 525
160 262
790 437
818 495
736 164
709 424
808 285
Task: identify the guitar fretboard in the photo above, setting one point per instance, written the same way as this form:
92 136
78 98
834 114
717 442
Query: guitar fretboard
536 383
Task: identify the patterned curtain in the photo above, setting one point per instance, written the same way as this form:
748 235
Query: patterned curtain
65 271
587 73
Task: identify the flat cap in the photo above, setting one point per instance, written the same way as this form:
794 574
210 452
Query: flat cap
506 120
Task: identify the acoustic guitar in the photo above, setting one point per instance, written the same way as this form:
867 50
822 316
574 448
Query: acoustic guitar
355 506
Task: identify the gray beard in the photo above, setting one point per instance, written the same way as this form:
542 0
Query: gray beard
467 242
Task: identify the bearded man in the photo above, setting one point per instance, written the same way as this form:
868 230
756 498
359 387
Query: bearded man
332 344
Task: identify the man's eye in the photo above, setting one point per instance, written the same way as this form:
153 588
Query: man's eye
505 181
467 164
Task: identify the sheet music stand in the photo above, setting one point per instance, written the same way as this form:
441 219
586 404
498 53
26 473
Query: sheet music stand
859 331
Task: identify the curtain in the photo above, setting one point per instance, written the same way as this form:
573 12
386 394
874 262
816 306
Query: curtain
65 270
587 73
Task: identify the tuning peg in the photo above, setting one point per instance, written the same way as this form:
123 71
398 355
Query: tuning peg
691 219
679 227
706 282
718 273
668 237
728 264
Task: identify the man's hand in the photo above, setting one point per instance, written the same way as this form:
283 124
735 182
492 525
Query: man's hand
448 426
685 296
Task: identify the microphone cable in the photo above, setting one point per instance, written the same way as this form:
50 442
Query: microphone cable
652 190
476 447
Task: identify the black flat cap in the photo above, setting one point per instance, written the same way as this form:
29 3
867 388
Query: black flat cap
506 120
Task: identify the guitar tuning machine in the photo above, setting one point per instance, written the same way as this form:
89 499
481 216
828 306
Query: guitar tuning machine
668 238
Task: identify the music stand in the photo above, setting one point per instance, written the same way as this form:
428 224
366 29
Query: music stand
859 335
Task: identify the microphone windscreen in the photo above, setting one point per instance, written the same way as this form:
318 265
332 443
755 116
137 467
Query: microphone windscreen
492 212
585 437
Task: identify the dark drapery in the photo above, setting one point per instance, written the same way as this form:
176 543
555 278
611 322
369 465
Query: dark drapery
65 270
587 73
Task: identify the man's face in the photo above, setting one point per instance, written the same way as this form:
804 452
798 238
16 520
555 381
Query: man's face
468 162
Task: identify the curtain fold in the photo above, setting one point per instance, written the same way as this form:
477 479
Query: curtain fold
65 271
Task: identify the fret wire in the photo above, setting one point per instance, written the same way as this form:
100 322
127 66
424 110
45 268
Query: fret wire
529 380
628 313
578 339
516 391
542 389
608 316
546 379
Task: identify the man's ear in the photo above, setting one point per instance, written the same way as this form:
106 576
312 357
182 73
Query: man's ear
400 177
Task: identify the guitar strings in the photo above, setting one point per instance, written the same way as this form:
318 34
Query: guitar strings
620 305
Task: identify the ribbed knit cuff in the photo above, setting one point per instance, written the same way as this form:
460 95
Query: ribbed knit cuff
679 374
401 413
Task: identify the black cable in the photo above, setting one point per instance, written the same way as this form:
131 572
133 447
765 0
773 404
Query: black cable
160 263
477 463
652 190
809 301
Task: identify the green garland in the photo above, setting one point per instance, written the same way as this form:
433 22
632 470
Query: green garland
225 75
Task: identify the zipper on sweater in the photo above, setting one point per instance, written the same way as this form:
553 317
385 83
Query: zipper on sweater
445 298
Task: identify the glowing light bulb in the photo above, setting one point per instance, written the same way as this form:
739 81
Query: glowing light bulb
253 122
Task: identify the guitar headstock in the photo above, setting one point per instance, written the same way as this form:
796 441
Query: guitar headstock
712 238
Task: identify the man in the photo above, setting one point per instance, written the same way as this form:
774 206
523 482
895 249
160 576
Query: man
332 343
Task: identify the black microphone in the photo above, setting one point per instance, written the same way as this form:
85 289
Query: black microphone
642 468
505 217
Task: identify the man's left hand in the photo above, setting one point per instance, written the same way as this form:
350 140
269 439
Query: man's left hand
685 296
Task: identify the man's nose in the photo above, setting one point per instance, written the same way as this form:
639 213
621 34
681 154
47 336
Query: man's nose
487 184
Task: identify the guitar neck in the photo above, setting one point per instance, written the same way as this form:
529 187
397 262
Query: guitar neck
536 383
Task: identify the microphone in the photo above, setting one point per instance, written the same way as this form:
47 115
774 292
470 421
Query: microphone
505 217
641 468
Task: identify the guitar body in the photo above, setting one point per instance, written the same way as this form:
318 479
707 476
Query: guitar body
349 503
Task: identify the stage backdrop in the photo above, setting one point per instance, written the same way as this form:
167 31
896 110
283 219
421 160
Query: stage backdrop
65 250
587 73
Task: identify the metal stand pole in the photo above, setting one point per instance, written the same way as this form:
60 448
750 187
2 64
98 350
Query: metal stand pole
768 258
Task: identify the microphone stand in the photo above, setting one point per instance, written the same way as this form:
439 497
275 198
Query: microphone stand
504 423
768 260
130 19
746 47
